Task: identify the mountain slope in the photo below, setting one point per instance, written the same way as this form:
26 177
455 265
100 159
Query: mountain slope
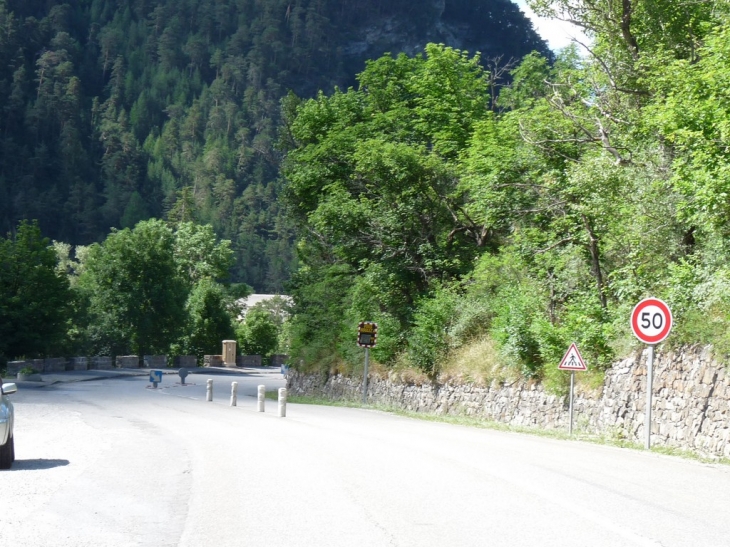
115 111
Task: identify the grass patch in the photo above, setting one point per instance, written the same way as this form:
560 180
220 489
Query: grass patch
475 363
610 439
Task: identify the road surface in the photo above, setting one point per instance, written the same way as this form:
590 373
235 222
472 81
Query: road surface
112 463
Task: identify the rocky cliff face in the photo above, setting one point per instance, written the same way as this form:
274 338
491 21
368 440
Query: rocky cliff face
492 27
495 28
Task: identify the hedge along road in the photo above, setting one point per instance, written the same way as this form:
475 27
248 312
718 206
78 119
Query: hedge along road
111 463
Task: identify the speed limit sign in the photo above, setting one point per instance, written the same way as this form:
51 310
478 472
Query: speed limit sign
651 321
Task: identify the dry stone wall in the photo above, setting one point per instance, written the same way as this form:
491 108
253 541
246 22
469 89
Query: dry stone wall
690 410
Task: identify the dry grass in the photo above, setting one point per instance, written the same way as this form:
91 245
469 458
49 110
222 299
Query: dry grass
476 363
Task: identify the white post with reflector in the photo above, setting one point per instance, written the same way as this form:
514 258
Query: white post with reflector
282 402
572 361
651 321
261 393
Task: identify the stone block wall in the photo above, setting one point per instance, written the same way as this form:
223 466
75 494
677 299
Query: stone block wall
14 366
186 361
100 362
248 361
39 365
212 360
127 361
79 363
690 407
155 361
279 359
57 364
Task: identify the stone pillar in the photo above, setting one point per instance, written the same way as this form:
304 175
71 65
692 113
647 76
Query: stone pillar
229 353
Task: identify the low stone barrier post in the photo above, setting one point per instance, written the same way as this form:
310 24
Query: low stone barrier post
282 402
262 398
209 390
234 393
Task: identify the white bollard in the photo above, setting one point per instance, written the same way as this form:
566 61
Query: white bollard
282 402
234 393
209 390
262 398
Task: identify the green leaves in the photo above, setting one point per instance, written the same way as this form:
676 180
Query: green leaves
149 287
35 298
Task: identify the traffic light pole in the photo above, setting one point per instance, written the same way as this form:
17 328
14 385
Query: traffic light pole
365 377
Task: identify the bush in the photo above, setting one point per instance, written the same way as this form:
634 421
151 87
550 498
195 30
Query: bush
428 340
258 334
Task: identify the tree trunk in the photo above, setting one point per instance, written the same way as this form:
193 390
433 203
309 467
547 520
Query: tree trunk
595 260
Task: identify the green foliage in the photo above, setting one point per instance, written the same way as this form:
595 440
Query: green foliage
534 222
258 334
136 295
428 340
198 255
209 321
35 298
320 299
117 111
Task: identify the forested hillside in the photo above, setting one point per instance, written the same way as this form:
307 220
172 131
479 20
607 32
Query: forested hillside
115 111
479 233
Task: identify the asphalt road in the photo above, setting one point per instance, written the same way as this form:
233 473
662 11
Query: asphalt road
112 463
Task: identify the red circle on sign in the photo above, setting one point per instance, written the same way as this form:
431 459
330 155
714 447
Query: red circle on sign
643 316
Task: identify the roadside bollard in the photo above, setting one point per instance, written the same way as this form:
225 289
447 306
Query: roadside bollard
209 390
262 398
282 402
234 393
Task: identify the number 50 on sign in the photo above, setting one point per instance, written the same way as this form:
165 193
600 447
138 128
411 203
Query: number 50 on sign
651 321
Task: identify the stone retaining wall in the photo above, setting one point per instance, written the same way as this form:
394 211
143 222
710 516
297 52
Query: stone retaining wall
155 361
212 360
248 360
101 362
186 361
127 361
79 363
279 359
61 364
691 400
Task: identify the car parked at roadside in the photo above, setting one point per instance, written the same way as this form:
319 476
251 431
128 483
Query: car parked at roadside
7 420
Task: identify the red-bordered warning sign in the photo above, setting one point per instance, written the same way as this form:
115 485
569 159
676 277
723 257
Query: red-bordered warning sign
572 360
651 320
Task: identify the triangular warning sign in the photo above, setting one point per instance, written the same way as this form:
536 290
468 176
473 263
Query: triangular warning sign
572 360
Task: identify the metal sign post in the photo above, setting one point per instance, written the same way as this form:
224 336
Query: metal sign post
649 389
367 336
572 383
365 377
651 322
572 361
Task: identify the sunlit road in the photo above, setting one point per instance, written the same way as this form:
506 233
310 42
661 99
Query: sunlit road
111 463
